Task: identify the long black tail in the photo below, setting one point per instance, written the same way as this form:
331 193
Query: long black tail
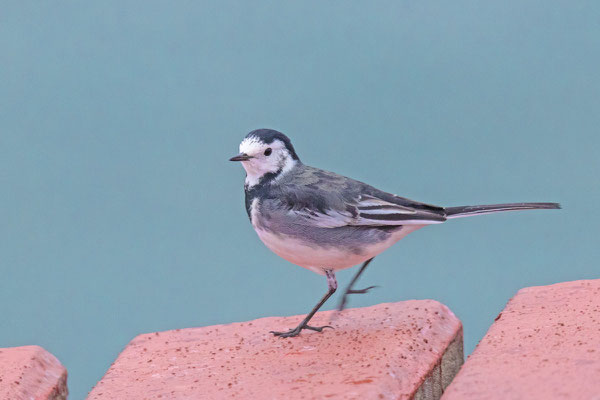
467 211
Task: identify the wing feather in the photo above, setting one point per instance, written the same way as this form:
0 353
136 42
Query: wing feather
366 210
315 197
376 211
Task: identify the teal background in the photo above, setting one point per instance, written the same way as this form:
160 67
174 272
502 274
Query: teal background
120 214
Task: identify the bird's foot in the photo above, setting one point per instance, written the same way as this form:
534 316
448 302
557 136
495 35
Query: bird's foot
344 300
296 331
359 291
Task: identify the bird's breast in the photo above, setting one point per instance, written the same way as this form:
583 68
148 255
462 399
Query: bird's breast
317 248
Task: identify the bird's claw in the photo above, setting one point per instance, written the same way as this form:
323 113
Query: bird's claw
296 331
344 300
360 291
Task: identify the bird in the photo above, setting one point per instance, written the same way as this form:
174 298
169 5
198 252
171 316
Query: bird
326 222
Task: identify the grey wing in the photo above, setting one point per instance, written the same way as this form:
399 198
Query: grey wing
373 210
327 200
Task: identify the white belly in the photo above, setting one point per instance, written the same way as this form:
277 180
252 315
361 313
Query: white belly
318 259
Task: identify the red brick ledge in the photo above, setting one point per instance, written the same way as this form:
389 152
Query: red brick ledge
403 350
30 372
544 345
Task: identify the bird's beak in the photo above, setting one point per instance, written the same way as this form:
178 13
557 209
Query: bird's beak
241 157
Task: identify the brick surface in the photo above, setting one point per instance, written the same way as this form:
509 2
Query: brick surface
31 373
544 345
400 350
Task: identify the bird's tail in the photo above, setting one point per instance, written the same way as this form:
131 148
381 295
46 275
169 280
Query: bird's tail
467 211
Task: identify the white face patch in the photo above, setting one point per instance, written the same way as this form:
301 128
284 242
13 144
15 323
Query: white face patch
252 146
278 161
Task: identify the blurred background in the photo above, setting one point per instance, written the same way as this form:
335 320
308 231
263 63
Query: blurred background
120 214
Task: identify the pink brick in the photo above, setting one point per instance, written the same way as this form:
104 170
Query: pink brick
401 350
31 373
544 345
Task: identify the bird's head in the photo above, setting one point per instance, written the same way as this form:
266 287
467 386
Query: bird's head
266 153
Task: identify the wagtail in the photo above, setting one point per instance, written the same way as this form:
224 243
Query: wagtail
326 222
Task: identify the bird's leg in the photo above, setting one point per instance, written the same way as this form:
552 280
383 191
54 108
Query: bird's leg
332 286
349 289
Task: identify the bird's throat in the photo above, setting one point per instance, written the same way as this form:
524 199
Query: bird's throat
257 177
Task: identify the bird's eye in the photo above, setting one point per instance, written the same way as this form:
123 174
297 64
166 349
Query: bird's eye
268 151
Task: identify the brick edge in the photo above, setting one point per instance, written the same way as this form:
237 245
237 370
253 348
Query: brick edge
442 374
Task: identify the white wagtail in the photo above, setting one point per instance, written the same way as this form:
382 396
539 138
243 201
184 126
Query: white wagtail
326 222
